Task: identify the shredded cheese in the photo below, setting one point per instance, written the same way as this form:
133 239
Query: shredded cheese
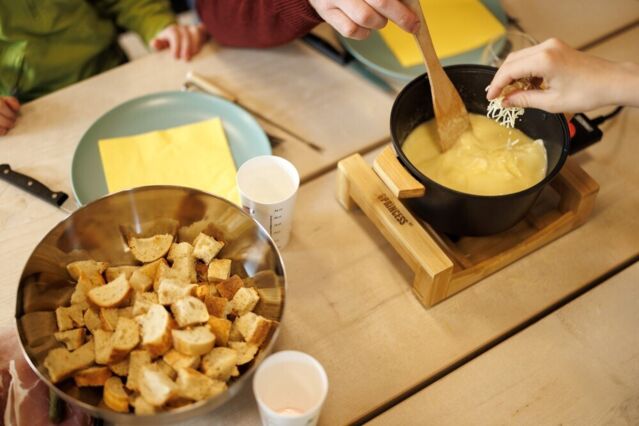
504 116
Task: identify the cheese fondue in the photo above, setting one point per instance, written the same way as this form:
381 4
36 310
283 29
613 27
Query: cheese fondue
488 159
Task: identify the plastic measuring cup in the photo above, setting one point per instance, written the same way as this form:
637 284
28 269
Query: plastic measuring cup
268 187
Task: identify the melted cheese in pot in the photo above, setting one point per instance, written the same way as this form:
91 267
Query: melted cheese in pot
488 159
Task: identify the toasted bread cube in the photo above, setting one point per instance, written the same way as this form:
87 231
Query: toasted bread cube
112 294
254 328
245 351
92 269
92 376
228 288
184 269
149 249
196 341
217 306
72 339
108 318
125 338
115 397
178 360
137 360
171 290
142 279
142 408
103 346
220 363
166 369
234 334
69 317
156 330
142 302
92 319
155 386
194 385
83 286
219 270
189 311
120 368
201 270
206 248
113 272
179 250
60 363
221 328
163 271
244 300
126 312
202 290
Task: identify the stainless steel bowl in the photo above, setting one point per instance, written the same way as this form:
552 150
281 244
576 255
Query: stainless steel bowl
99 231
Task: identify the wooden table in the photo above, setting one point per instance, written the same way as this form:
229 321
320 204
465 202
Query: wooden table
350 303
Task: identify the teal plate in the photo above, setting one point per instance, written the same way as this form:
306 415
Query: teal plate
375 53
157 112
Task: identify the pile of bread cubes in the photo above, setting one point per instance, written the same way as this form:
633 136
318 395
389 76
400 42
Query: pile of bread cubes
162 334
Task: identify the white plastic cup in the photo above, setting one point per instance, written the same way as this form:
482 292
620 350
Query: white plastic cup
290 388
268 187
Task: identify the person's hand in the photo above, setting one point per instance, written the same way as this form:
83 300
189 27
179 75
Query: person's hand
573 81
184 40
9 107
356 18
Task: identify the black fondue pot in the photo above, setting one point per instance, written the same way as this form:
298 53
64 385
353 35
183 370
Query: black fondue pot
459 213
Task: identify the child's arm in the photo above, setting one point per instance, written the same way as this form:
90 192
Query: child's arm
265 23
575 81
9 107
155 22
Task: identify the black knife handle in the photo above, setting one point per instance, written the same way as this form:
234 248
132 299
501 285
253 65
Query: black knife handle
327 49
32 186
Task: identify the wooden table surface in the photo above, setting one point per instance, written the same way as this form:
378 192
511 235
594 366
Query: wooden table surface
350 303
579 365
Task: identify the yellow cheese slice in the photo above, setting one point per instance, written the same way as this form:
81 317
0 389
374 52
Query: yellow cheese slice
194 155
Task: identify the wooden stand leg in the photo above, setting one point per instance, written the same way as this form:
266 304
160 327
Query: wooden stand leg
358 183
343 189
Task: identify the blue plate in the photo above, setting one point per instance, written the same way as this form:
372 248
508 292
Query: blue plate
375 53
157 112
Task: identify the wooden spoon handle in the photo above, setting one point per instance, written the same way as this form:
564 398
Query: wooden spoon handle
423 38
450 111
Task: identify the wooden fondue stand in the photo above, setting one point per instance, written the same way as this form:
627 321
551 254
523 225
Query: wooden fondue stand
442 266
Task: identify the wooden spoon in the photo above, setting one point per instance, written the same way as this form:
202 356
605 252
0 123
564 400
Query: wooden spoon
450 111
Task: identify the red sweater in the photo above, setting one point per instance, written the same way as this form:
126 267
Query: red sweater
257 23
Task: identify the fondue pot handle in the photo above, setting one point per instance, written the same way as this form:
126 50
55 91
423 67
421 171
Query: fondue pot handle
400 182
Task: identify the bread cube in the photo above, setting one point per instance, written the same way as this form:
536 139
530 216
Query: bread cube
72 339
149 249
196 386
254 328
189 311
220 363
113 294
60 363
244 300
219 270
206 248
156 327
196 341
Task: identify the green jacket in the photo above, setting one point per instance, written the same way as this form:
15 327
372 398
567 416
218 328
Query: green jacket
49 44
